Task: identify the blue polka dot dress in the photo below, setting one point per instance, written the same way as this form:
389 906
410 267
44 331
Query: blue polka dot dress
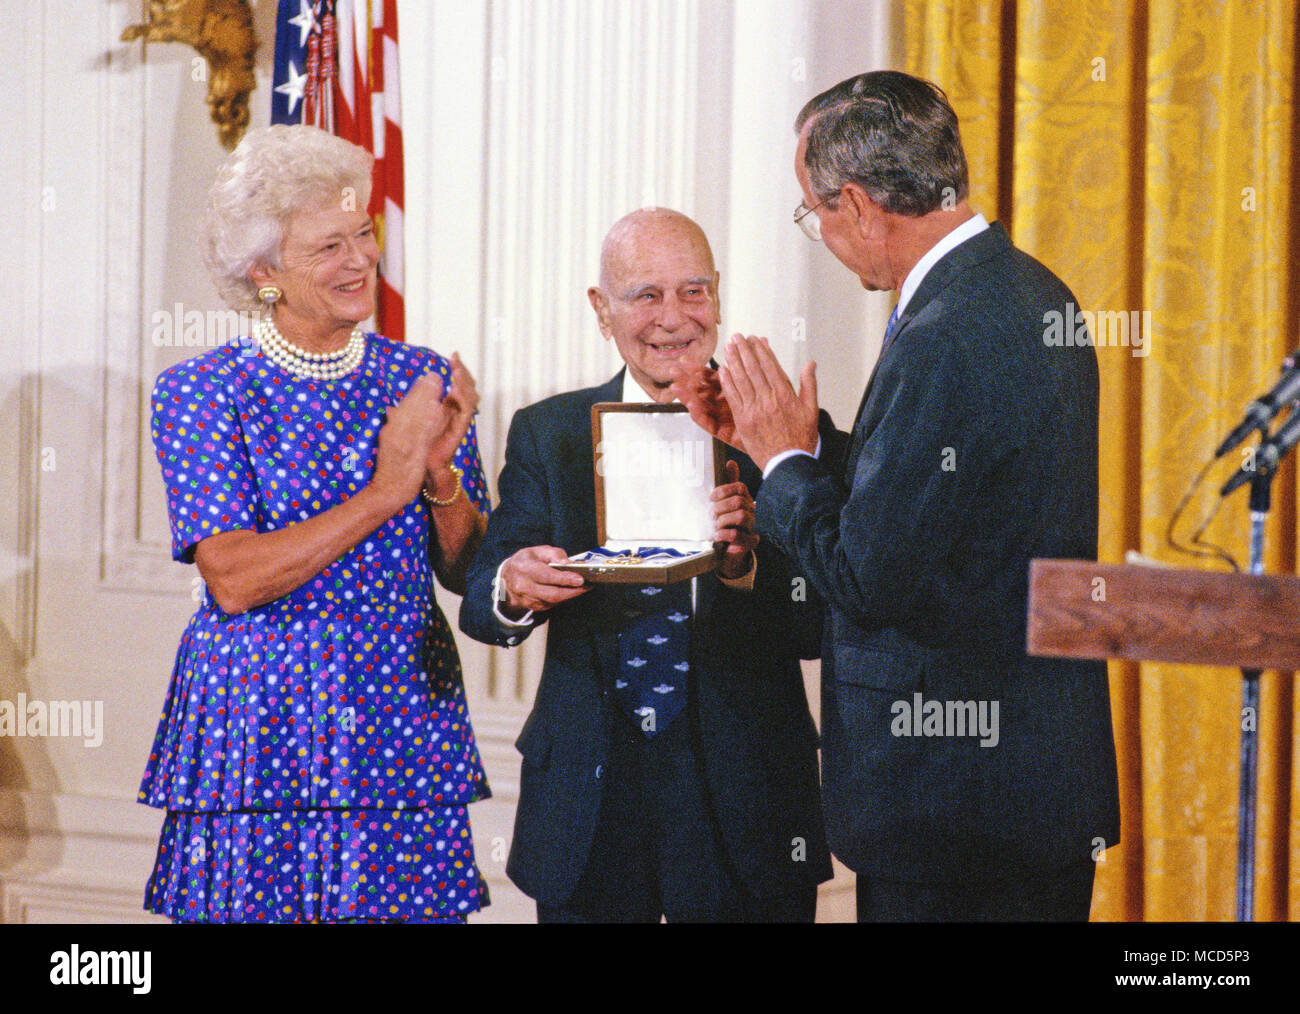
314 755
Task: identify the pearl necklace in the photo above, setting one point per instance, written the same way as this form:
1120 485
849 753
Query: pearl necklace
316 365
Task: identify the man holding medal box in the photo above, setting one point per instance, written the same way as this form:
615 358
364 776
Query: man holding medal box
670 760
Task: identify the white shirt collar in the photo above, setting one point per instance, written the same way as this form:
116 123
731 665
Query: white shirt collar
970 227
632 391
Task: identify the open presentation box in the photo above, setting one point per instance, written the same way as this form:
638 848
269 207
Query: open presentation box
655 469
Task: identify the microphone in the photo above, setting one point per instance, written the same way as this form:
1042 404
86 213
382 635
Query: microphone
1264 408
1269 455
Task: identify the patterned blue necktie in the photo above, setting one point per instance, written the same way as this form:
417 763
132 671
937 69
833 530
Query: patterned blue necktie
890 329
654 650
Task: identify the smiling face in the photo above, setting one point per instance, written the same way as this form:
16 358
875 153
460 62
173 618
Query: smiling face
658 297
329 257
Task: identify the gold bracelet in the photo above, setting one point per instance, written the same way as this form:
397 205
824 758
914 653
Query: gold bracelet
433 501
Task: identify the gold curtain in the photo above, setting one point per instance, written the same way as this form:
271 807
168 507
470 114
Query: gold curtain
1148 156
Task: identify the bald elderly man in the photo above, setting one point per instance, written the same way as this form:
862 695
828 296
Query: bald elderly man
709 811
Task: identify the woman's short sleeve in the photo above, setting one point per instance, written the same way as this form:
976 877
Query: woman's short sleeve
197 436
468 461
467 457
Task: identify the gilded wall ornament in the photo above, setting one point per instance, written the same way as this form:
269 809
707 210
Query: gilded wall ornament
222 33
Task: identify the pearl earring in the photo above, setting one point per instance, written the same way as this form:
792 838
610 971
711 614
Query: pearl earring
268 294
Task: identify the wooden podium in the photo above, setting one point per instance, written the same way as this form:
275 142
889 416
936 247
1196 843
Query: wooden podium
1080 609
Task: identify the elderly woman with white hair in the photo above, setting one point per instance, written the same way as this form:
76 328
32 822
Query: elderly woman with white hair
314 755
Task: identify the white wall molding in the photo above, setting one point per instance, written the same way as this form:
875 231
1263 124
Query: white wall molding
126 562
20 377
130 560
72 858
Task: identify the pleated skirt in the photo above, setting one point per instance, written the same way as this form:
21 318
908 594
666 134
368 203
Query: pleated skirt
321 865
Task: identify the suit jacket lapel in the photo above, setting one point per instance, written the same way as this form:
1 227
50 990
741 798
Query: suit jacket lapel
990 243
612 389
602 607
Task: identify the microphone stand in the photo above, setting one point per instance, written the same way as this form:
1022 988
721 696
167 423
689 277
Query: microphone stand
1260 501
1258 416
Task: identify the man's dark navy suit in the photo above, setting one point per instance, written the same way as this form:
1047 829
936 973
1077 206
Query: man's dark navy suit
747 714
974 452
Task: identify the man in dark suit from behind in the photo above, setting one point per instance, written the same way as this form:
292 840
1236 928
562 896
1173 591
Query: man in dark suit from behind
962 779
710 813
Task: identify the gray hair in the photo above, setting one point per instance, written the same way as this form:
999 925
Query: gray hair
275 172
894 135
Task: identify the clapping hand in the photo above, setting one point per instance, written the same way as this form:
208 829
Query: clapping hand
452 416
420 436
406 440
766 416
698 388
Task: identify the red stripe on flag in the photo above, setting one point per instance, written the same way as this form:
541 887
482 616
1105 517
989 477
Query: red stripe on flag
356 109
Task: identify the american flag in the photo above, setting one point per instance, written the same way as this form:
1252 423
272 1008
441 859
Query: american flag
336 68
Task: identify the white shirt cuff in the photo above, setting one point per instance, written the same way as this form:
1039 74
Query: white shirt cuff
524 621
776 459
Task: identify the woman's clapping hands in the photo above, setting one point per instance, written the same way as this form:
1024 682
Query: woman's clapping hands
422 432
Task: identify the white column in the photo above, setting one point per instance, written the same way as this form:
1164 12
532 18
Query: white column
590 113
780 284
767 257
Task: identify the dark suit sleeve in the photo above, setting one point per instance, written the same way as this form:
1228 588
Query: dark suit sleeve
520 520
790 611
868 548
780 609
834 443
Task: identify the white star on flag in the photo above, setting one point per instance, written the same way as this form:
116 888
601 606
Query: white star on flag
305 21
293 87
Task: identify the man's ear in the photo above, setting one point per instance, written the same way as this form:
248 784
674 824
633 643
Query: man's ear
863 209
717 296
600 303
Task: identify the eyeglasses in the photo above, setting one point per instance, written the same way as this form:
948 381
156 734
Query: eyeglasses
808 222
